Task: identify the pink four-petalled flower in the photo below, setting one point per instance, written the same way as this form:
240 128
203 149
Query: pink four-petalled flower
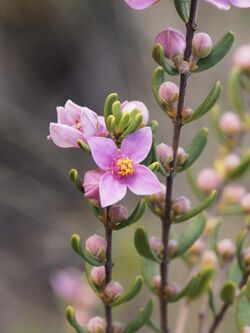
122 168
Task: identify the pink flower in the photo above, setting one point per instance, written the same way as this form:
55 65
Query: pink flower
122 168
225 4
130 106
91 184
172 41
140 4
75 123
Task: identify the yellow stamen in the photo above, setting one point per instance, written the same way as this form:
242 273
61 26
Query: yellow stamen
125 167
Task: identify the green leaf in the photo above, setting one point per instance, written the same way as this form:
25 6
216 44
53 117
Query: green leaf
192 182
241 169
74 177
149 270
76 245
220 49
197 210
112 98
154 125
153 326
235 273
214 236
228 292
70 315
130 293
159 58
215 120
235 91
207 105
140 319
190 235
211 301
143 246
242 310
134 217
239 247
195 149
117 112
157 80
182 8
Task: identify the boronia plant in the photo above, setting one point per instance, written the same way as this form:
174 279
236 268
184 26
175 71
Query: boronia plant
123 146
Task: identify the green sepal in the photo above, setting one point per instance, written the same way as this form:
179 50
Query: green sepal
76 245
154 166
182 8
235 273
157 80
130 293
195 148
198 209
135 123
241 169
74 177
123 123
215 121
159 58
149 270
235 91
84 146
112 98
207 104
228 292
110 123
239 247
140 319
143 246
153 125
134 217
117 112
70 315
190 235
242 310
192 182
219 51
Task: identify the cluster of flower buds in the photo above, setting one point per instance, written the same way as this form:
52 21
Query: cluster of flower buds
165 156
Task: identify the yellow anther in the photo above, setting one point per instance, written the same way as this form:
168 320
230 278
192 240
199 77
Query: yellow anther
125 167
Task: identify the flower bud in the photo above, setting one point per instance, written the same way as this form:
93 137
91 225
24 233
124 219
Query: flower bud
186 113
98 275
156 245
202 45
242 57
181 156
208 259
96 325
130 106
233 193
165 154
172 246
112 291
245 203
196 249
246 256
91 184
96 246
231 161
156 282
172 41
230 123
246 329
118 327
171 290
180 205
208 180
226 249
169 92
117 213
159 197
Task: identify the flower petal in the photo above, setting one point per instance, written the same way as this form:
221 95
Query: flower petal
220 4
89 122
63 116
111 190
74 110
240 3
103 151
143 181
65 136
130 106
140 4
137 145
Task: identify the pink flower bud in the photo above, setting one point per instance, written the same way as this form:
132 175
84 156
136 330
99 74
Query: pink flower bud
245 202
196 249
130 106
180 205
234 193
96 246
117 213
186 113
165 154
208 259
112 291
242 57
172 41
208 180
181 156
172 247
91 184
226 249
246 256
246 329
118 327
231 161
156 245
156 282
159 197
202 45
98 275
96 325
169 92
171 290
230 123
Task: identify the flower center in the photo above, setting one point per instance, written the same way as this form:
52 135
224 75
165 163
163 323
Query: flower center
123 167
78 125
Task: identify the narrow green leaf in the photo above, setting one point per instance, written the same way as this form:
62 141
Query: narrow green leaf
211 301
207 105
235 273
214 236
189 288
241 169
190 235
242 310
220 49
108 105
239 247
74 177
195 149
157 80
235 91
134 217
159 58
228 292
70 315
182 8
149 270
197 210
192 182
130 293
76 245
143 246
153 326
215 120
140 319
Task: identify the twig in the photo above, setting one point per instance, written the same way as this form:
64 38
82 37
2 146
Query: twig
108 273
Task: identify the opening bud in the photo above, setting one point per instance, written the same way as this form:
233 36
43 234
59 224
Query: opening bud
96 325
112 291
230 123
180 206
130 106
172 41
96 246
242 58
117 213
181 156
208 180
202 45
226 249
118 327
91 185
156 245
98 275
169 93
245 203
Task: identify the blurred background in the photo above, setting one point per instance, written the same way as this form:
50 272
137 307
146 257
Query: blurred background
51 51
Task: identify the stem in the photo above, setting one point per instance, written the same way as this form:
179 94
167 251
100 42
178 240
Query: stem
190 29
182 317
108 273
